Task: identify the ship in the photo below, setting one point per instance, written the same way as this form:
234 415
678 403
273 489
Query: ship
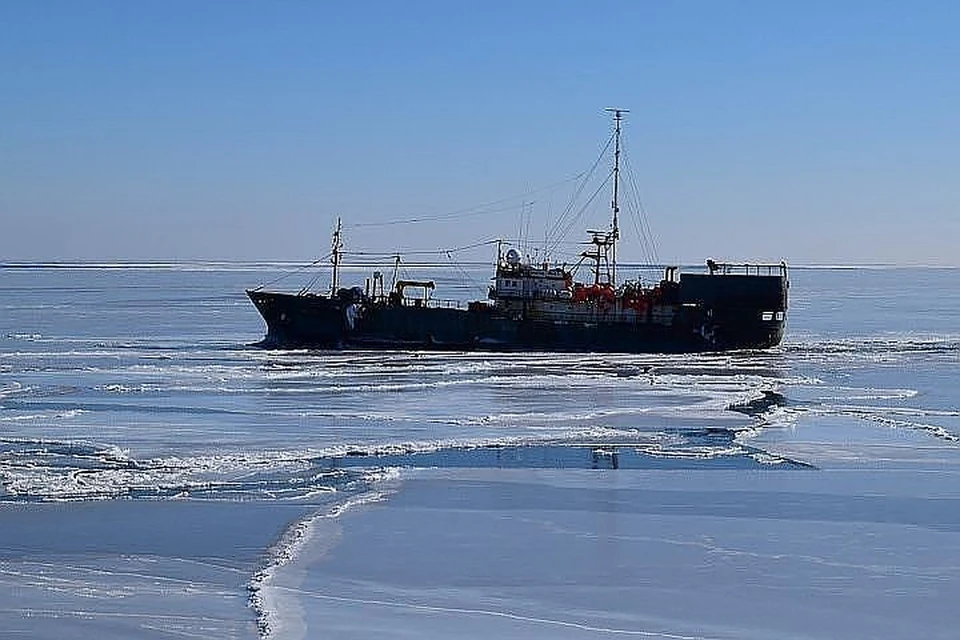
540 306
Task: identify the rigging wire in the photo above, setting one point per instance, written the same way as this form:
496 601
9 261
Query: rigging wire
577 217
467 211
561 225
646 231
288 274
553 238
631 208
463 273
561 222
422 252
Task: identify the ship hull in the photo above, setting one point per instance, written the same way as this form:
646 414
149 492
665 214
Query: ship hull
749 320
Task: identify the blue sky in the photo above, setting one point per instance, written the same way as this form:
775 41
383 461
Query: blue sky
817 132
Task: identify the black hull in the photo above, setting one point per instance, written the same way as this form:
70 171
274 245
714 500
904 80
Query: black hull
320 322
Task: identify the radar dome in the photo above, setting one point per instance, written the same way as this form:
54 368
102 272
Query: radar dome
513 257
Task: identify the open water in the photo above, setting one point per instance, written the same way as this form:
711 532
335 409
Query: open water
139 385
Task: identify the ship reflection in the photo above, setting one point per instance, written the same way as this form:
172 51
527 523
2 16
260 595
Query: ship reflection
605 458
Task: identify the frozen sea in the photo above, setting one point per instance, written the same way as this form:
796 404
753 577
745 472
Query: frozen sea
163 478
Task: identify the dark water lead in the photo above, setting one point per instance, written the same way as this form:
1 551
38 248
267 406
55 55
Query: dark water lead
698 449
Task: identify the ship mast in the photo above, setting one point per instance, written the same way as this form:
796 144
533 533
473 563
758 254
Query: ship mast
335 255
615 204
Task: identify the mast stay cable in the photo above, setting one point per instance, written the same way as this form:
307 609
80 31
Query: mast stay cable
466 211
640 218
561 223
288 274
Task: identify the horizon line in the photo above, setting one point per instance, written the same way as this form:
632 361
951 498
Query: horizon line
159 263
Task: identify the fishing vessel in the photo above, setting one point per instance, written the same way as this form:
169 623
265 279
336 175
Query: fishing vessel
540 306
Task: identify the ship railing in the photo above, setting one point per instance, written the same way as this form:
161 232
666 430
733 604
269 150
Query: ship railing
747 268
432 303
444 304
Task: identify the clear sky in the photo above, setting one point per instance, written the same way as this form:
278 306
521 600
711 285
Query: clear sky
817 132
